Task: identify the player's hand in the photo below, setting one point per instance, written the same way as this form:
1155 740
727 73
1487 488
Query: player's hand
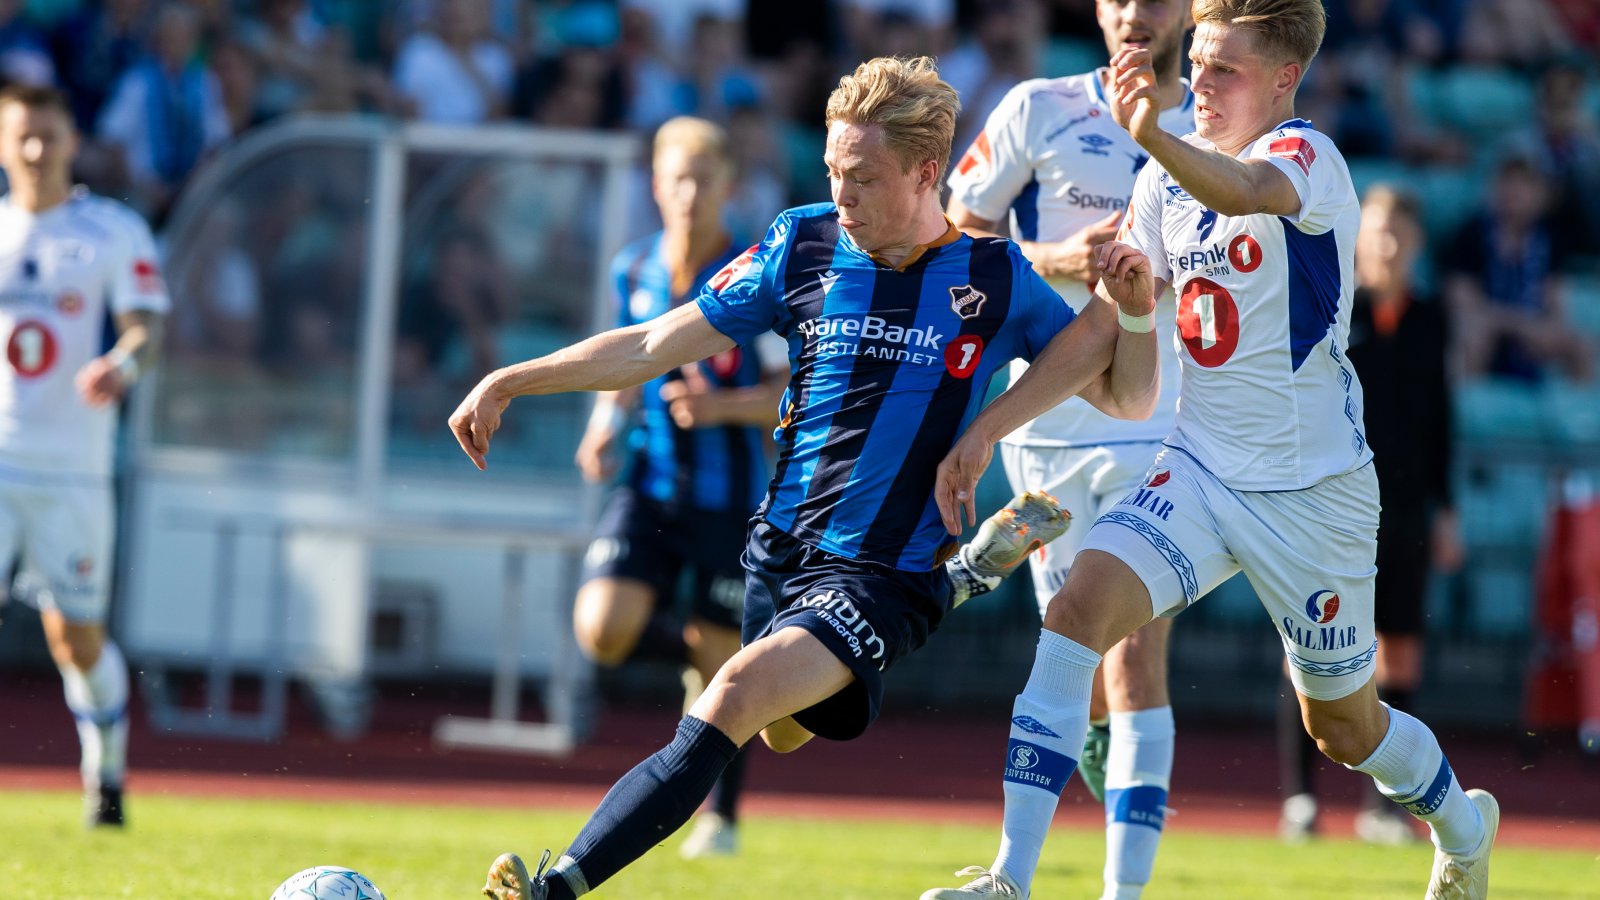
1132 95
956 486
1125 275
99 383
692 405
596 456
477 419
1075 256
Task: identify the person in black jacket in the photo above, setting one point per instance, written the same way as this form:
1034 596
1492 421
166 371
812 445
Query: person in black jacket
1398 342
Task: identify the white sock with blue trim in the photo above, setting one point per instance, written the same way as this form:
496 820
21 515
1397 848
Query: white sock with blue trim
1411 770
98 699
1048 723
1138 771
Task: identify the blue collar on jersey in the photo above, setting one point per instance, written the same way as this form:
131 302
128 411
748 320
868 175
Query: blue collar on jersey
1100 91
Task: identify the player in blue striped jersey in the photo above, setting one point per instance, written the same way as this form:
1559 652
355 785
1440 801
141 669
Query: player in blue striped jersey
695 462
895 320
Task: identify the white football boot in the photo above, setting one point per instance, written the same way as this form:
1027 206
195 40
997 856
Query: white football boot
986 884
1467 877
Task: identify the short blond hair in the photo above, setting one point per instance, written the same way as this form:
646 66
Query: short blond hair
1292 29
696 136
915 108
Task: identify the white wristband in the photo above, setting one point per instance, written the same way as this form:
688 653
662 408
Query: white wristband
1136 324
607 415
125 363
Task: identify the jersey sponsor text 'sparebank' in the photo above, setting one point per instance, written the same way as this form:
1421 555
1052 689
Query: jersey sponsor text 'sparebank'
887 367
60 271
1052 161
1269 401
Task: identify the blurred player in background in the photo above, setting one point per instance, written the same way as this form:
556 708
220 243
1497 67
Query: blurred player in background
1399 344
895 322
696 461
1253 220
1052 161
69 258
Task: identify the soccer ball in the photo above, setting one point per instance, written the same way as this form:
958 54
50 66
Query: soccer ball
327 883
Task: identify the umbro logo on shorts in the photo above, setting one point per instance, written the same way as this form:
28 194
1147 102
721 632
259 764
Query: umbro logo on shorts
1033 726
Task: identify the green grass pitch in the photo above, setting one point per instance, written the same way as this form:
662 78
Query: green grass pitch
213 848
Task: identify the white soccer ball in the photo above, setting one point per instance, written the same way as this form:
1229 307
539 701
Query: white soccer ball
327 883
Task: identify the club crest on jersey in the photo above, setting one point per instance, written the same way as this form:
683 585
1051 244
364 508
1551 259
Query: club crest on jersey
967 301
1322 607
69 303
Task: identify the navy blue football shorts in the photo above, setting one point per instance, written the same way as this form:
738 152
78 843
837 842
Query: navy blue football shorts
869 615
643 539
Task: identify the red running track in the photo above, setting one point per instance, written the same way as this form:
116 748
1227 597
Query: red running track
934 765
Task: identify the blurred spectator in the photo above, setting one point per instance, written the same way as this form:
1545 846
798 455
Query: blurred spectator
676 21
1565 141
647 75
166 112
235 68
717 75
759 193
935 23
94 47
1004 50
218 314
304 65
23 57
1358 87
455 72
462 299
1505 288
582 87
1523 33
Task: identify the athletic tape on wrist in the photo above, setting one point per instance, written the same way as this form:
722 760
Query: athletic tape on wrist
1136 324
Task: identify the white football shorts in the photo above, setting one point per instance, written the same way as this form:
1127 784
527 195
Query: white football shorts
1087 481
1310 555
64 533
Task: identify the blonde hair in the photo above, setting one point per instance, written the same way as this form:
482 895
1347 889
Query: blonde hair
906 97
696 136
1289 28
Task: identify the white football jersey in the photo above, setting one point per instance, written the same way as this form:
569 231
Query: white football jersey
1052 161
1269 400
60 271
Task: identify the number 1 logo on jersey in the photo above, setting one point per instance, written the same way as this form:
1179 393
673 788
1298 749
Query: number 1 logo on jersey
32 349
1208 322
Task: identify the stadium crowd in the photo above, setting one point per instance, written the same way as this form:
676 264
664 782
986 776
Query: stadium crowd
1493 124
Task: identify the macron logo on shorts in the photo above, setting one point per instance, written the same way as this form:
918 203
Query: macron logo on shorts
1033 726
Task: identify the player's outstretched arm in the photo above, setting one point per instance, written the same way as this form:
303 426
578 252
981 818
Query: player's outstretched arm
106 378
609 361
1219 182
1129 387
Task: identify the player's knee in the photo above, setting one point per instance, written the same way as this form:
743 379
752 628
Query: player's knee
80 652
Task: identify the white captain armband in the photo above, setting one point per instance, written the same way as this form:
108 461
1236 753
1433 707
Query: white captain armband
1136 324
126 364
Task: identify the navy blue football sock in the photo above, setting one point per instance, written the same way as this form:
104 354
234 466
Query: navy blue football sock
662 640
725 802
651 802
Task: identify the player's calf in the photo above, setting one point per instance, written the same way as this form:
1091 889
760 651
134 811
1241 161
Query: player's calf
1030 521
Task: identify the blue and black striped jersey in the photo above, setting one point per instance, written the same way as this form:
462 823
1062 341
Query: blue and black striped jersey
718 468
888 366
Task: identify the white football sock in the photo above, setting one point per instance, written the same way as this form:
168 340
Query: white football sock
1138 771
1048 723
1411 770
99 702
